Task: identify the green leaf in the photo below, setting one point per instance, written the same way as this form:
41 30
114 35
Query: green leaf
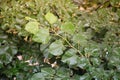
68 27
51 18
93 49
95 61
83 62
114 2
42 36
1 64
56 48
3 36
75 77
6 58
32 27
38 76
70 57
85 77
80 38
13 49
48 71
99 73
61 74
4 49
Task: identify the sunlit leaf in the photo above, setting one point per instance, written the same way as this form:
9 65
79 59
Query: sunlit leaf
68 27
32 27
51 18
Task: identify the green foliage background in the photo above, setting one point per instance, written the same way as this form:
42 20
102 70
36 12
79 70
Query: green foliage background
68 40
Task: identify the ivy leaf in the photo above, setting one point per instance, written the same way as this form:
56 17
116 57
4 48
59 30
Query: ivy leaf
42 36
51 18
32 27
68 27
56 48
70 57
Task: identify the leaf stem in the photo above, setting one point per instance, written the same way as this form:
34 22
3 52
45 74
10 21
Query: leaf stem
69 44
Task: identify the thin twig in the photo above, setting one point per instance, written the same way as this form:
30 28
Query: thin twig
68 43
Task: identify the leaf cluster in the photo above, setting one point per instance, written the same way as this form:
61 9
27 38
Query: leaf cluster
59 40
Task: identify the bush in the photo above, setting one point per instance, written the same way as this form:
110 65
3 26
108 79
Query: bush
59 40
